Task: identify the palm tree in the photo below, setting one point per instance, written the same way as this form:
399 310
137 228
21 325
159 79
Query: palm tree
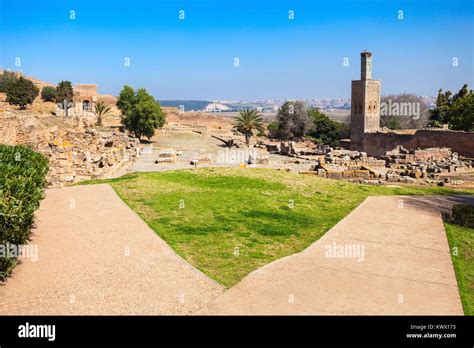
102 110
247 122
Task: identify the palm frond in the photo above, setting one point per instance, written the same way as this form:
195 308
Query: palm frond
102 110
247 122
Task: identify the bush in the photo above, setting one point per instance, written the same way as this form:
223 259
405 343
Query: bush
21 92
463 215
327 131
436 124
272 129
48 93
22 183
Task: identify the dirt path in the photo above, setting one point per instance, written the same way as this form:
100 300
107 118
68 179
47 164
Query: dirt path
403 268
96 256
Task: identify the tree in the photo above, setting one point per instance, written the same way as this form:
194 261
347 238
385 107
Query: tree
438 116
293 120
102 110
21 92
325 130
65 94
5 78
141 113
48 93
247 123
126 99
461 114
403 111
455 110
463 92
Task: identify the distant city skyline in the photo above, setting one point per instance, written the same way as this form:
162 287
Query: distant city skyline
241 50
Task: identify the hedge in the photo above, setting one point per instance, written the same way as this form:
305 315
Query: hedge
463 215
22 184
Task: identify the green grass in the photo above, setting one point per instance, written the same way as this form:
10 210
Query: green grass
244 210
462 238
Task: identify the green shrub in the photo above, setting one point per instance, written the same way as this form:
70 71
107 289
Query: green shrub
435 124
272 129
325 130
48 93
463 215
22 184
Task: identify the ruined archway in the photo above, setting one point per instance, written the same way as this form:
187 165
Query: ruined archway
86 105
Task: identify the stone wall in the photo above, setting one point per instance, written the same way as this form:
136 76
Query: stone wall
17 130
377 143
74 154
86 88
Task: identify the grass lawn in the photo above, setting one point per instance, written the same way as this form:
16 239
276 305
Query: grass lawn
462 238
228 222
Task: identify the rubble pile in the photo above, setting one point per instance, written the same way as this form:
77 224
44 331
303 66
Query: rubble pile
422 166
427 164
74 149
76 155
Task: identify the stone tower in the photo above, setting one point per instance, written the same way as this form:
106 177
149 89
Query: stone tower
365 103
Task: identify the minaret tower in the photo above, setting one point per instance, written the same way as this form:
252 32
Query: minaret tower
365 103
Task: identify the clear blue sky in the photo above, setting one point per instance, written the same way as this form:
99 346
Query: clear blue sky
279 58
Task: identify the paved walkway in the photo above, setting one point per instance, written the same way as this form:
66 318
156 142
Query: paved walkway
405 267
96 256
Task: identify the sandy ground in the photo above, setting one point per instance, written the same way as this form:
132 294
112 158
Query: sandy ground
96 256
195 146
404 268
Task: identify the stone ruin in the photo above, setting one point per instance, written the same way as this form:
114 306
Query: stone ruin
427 164
367 136
168 156
83 155
421 166
226 156
74 153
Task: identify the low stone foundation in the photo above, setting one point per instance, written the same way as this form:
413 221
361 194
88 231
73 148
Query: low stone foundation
377 143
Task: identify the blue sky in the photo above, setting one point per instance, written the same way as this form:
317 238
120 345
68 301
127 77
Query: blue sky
279 58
